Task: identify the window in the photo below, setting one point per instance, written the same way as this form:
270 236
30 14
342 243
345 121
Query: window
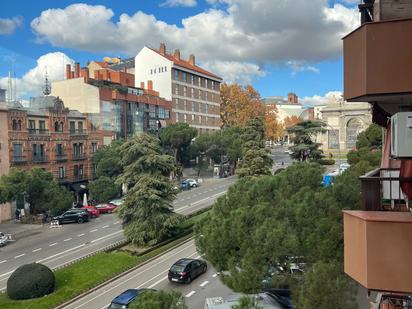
192 90
200 94
200 81
177 117
192 79
14 125
213 97
184 77
185 105
200 107
353 128
81 171
184 91
76 171
212 84
72 126
32 124
206 108
165 69
185 118
200 119
333 139
206 95
59 150
193 106
62 172
205 83
193 117
161 112
176 75
80 126
17 150
42 126
152 111
207 120
177 103
94 147
176 89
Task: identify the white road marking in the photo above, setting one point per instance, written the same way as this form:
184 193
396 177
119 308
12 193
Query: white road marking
190 294
92 231
157 282
214 275
117 222
80 235
203 283
35 250
20 255
53 244
4 261
68 239
103 227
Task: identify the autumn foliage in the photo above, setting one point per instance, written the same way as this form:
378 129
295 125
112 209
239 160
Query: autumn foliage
290 121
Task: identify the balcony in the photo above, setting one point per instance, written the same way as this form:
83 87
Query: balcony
62 179
79 177
381 190
77 132
377 249
61 157
377 62
38 131
40 159
78 156
18 160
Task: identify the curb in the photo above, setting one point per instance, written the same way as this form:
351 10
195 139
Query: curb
121 274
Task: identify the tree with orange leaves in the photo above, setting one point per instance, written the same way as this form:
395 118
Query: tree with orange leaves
290 121
239 104
273 128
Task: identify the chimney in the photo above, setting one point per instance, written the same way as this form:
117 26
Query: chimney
293 98
68 71
77 70
162 49
192 59
149 85
142 85
85 74
177 54
72 74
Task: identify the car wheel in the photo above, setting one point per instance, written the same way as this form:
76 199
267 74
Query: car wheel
80 220
204 269
189 279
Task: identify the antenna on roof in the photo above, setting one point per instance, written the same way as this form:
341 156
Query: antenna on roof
47 88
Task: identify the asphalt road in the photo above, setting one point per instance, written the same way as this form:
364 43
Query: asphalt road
154 275
56 247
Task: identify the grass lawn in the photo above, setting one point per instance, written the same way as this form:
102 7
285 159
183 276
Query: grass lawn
84 275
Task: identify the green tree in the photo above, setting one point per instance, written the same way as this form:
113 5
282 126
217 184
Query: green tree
39 189
176 138
147 213
371 137
108 160
159 300
104 189
303 135
246 302
255 158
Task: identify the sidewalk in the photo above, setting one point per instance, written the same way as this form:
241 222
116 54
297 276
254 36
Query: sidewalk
18 230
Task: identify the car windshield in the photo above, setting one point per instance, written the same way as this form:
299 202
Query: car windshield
177 268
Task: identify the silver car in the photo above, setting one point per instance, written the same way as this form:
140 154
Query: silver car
4 239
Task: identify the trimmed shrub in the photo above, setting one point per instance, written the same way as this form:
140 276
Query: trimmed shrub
30 281
326 161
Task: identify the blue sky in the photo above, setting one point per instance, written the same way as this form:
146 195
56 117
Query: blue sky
278 46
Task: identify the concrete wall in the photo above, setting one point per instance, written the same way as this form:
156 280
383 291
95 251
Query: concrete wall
147 62
5 209
76 94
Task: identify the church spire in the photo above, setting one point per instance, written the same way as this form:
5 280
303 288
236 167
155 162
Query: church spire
47 88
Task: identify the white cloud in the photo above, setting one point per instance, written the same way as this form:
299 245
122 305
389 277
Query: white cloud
298 66
9 25
328 98
32 82
235 72
240 31
173 3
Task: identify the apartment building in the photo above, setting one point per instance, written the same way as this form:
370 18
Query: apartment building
110 100
50 136
194 91
5 209
378 238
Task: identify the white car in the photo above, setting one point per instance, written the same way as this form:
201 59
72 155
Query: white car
192 183
117 202
4 239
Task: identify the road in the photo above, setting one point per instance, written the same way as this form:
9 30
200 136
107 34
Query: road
56 247
154 275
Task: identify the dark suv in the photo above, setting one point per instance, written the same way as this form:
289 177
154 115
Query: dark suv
73 215
185 270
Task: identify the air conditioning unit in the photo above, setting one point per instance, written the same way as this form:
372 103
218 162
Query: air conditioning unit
401 128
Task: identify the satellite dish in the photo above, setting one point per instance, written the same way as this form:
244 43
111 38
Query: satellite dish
107 59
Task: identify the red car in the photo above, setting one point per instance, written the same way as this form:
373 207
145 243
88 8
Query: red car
106 208
93 211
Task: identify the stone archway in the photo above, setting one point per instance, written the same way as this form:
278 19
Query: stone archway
353 127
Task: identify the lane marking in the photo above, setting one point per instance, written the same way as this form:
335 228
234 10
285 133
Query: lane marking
53 244
103 227
95 230
68 239
214 275
157 282
203 283
117 222
4 261
190 294
20 255
80 235
35 250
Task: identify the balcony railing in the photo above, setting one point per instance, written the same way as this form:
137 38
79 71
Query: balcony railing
38 131
78 132
61 157
18 159
381 190
79 177
40 159
62 179
79 156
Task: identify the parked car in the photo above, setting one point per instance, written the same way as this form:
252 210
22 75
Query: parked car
192 183
123 300
93 211
73 215
117 202
4 239
106 208
184 185
185 270
282 296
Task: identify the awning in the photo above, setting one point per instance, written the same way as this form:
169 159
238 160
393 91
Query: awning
77 187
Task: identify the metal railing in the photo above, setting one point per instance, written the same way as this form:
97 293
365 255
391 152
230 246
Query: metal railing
79 156
62 179
397 301
38 131
61 157
18 159
40 159
381 190
77 132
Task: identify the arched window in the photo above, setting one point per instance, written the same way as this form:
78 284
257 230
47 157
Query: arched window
19 125
14 125
56 126
353 128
